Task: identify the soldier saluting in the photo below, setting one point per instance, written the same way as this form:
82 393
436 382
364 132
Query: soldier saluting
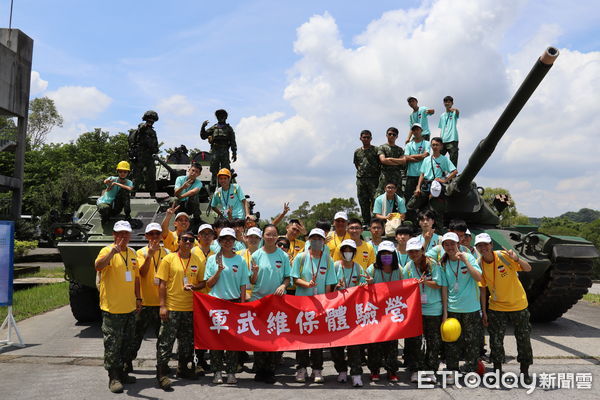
143 145
221 137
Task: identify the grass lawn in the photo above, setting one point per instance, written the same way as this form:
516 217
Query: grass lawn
58 272
37 300
592 298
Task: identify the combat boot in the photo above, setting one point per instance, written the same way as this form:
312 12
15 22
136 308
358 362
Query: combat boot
525 372
114 381
161 376
184 372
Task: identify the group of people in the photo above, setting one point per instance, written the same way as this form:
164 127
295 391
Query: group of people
392 180
234 260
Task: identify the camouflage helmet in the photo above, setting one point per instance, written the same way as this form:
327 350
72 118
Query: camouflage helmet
150 115
221 112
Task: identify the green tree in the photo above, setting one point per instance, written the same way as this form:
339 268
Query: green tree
509 216
309 215
43 116
583 215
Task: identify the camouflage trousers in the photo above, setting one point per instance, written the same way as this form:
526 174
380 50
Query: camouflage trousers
468 344
121 203
117 331
451 148
424 358
383 355
365 191
341 364
144 174
148 316
180 326
231 360
387 177
219 159
266 361
310 358
497 321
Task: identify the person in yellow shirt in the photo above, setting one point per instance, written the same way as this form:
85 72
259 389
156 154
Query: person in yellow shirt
182 224
507 302
149 258
339 232
119 300
365 255
293 229
179 275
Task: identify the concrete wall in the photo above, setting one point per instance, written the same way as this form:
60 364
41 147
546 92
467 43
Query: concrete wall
16 50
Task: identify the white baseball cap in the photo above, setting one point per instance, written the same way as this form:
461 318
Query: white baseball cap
386 245
181 214
205 226
414 244
341 214
153 226
348 242
122 226
254 231
468 233
435 189
450 236
318 232
416 124
483 238
227 232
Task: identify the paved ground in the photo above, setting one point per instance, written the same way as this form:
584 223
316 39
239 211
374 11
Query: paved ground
64 360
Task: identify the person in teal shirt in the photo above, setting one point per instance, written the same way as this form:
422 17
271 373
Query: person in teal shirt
314 273
384 354
449 133
431 282
418 116
461 274
226 276
389 203
377 228
402 234
270 274
116 196
187 188
415 152
428 237
229 200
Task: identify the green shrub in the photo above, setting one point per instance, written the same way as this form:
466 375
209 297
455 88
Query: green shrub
22 247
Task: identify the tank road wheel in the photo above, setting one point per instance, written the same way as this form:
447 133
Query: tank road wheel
564 284
85 302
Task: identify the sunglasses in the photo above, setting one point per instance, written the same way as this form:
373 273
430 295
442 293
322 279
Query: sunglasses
187 239
283 245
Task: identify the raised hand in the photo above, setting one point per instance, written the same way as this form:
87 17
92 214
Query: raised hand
204 124
153 246
173 209
286 207
368 278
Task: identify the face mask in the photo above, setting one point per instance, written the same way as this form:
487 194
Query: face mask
386 259
316 245
348 255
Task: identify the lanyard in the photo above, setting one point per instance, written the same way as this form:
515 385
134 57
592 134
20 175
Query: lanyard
335 237
186 265
125 259
383 276
351 273
312 264
457 268
421 275
225 203
156 262
433 169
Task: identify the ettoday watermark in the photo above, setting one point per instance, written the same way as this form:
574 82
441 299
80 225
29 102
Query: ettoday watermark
506 380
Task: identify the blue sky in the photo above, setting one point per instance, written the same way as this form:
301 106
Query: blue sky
301 79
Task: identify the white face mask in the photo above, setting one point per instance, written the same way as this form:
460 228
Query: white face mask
348 255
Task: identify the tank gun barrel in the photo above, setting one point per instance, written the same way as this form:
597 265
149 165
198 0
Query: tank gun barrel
164 164
486 147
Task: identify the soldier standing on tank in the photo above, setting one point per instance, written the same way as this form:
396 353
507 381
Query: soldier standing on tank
367 174
392 162
221 137
143 145
507 303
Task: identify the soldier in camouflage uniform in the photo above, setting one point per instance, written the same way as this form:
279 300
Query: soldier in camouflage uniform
221 137
118 294
143 145
366 162
507 302
393 163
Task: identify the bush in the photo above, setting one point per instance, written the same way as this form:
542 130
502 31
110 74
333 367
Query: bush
22 247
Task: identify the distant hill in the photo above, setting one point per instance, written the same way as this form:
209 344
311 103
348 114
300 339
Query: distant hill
583 215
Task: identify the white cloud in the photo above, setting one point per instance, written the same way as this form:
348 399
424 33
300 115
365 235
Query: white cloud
38 85
448 47
176 104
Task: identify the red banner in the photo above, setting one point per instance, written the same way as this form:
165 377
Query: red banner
369 314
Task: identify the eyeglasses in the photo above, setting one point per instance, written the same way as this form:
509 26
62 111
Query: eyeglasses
187 239
283 245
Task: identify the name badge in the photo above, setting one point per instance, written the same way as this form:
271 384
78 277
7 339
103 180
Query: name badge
128 276
423 298
456 286
185 280
156 281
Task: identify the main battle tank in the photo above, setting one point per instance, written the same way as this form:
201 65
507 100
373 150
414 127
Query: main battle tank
80 242
561 265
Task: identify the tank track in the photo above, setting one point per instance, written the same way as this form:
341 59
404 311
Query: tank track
564 284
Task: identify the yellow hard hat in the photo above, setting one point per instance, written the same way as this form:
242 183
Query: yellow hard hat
224 171
124 166
450 330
